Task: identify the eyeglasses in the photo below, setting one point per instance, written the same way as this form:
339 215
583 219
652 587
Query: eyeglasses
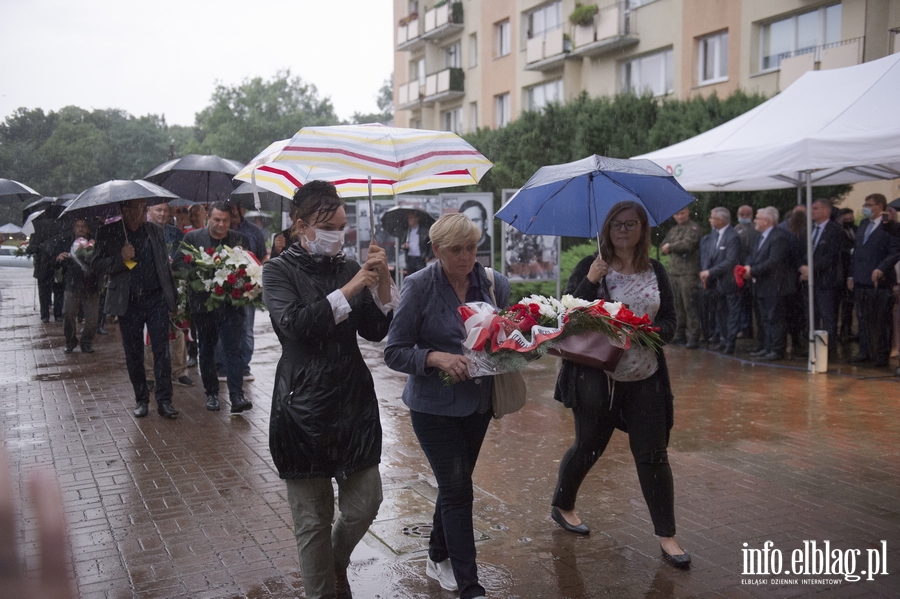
628 225
458 250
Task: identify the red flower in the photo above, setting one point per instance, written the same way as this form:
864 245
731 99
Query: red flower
232 279
188 258
535 309
248 286
219 290
242 272
210 251
236 293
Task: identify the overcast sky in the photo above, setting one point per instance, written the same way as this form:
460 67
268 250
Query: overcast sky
165 57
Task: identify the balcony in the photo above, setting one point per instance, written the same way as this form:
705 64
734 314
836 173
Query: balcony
792 65
442 21
409 95
443 86
614 28
409 38
547 51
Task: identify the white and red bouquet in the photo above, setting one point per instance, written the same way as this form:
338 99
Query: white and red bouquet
506 340
81 252
229 275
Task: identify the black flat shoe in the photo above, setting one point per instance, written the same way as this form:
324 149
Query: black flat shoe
141 410
166 410
679 561
580 529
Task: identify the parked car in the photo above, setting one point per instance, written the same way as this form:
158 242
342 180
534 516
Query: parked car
8 258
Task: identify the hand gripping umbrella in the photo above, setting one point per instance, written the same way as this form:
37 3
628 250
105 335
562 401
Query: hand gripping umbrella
573 199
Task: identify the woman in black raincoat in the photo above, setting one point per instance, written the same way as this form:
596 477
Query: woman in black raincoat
324 422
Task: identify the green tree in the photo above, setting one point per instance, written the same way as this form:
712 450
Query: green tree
242 120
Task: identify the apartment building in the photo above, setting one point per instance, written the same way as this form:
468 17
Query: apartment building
463 64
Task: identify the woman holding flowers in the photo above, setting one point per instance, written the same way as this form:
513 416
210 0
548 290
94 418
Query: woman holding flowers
450 420
636 397
324 422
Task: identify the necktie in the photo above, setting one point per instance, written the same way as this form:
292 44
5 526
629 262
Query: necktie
815 238
870 226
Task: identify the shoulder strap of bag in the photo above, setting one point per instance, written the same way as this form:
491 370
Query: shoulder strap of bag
490 275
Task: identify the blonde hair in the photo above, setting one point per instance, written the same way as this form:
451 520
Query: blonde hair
454 230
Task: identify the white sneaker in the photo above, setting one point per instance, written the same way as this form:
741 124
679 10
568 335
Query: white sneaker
441 572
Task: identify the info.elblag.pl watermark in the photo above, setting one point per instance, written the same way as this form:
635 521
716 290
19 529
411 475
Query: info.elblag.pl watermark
817 563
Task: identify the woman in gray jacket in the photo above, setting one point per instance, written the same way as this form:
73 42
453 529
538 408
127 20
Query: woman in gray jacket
450 421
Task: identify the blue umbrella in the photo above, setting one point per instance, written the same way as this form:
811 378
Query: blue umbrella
573 199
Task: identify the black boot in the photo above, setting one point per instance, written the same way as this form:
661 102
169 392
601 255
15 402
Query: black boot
239 404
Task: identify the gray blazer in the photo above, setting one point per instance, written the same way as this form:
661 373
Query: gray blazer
428 320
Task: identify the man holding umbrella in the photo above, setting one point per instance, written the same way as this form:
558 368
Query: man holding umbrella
141 291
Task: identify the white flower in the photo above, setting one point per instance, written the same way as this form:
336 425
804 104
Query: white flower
612 307
570 301
220 276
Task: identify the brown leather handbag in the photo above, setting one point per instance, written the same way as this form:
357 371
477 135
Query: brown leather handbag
589 349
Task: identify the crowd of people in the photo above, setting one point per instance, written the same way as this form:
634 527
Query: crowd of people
758 270
325 422
125 269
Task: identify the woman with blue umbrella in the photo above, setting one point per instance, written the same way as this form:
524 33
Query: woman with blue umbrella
636 397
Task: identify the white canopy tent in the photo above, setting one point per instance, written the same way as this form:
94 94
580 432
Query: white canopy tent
830 127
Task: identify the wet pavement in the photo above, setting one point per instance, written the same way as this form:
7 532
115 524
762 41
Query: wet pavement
194 507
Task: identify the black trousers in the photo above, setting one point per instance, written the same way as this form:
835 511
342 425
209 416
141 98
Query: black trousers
51 295
151 311
225 323
728 314
873 311
773 322
641 405
706 306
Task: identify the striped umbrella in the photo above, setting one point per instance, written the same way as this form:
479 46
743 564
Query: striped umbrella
390 159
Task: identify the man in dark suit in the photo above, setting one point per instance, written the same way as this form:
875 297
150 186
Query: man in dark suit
141 291
722 253
225 322
774 274
872 279
416 244
828 240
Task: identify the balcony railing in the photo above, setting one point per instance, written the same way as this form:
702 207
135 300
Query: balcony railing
439 87
408 35
853 46
444 85
443 20
547 50
614 27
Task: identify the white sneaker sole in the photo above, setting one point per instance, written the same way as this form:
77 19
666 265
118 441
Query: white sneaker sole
434 572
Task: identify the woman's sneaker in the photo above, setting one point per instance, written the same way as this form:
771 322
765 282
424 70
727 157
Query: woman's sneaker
441 572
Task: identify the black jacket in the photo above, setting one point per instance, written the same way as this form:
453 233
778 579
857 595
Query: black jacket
720 258
581 287
324 421
108 261
773 266
880 251
828 266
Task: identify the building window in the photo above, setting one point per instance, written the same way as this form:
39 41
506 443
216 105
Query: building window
502 33
473 115
800 34
473 50
713 63
501 110
412 7
544 19
451 120
453 56
541 95
651 73
418 72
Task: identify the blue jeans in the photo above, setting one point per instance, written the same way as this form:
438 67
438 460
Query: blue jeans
324 547
225 323
451 445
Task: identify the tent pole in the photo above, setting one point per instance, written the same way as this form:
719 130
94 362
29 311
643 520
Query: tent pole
813 358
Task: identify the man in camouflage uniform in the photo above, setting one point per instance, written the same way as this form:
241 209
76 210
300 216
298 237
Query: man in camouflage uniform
682 245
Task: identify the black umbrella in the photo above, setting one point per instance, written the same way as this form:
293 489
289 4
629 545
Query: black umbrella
181 203
38 204
268 201
204 179
103 200
12 192
895 204
394 221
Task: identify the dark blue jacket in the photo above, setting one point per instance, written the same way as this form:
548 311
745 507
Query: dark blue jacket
878 252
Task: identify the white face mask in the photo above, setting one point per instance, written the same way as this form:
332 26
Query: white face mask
327 243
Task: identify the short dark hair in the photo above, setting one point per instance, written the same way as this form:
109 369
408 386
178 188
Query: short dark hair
878 199
316 199
221 207
469 204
